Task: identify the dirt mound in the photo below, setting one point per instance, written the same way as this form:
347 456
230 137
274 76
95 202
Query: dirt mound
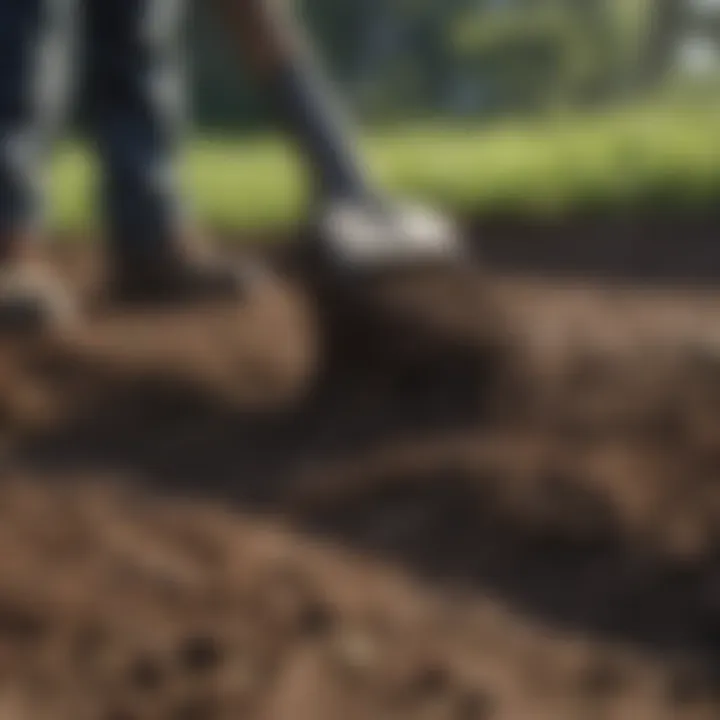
227 513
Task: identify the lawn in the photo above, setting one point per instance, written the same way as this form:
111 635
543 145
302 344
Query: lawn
645 157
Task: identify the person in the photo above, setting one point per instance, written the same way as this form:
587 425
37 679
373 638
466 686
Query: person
135 59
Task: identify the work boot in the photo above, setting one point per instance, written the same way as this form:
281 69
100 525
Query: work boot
33 298
182 274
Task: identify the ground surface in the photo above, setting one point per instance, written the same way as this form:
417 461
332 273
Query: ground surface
219 514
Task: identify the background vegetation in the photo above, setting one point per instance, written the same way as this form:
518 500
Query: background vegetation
486 106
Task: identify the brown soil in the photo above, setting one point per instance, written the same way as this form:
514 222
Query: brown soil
427 510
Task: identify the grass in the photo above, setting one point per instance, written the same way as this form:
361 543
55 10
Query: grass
645 157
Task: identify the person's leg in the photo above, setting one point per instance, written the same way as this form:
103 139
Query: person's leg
283 62
136 106
35 53
137 88
36 50
357 225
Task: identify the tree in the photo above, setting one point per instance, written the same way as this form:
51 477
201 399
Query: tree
665 27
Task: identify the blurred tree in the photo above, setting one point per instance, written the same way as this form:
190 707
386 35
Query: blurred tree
222 96
408 58
666 24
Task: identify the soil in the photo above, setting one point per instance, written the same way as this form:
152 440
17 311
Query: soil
470 495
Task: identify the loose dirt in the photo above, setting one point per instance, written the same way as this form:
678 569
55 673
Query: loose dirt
275 513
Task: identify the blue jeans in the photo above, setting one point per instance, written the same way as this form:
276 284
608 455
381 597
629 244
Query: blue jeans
134 66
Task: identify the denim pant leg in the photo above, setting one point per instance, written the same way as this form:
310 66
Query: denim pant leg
137 100
36 51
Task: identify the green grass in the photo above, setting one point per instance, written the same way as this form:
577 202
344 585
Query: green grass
644 157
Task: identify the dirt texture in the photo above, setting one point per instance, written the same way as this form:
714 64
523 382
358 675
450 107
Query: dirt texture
453 496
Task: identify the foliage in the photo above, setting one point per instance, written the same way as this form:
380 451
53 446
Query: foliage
423 58
665 159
